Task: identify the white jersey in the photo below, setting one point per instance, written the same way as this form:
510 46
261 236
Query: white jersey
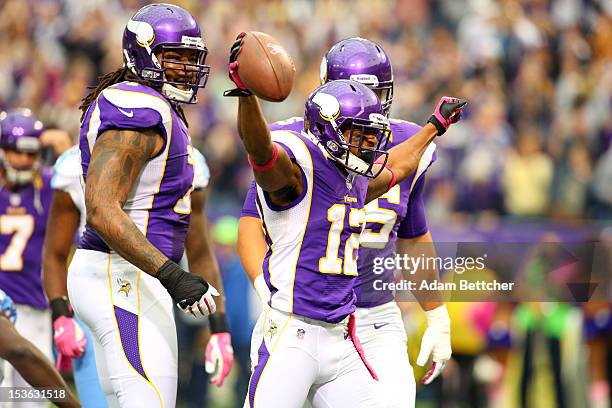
68 177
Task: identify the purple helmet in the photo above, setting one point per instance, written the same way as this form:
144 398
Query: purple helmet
20 131
338 107
363 61
159 28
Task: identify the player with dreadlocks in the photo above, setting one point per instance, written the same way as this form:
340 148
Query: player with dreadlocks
138 168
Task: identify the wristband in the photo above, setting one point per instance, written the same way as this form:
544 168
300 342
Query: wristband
60 307
270 162
437 124
393 175
218 323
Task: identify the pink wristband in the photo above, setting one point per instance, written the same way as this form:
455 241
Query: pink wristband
393 175
270 162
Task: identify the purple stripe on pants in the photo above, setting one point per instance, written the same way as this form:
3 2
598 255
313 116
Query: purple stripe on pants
128 331
264 355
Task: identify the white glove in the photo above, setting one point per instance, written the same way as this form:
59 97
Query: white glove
436 342
262 288
203 307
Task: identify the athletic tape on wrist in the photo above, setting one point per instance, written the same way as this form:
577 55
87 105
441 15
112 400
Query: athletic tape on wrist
218 323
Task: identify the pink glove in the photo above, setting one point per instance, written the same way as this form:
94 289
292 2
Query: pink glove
68 337
219 357
447 111
63 364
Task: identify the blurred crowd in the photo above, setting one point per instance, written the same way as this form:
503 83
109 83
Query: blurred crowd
535 142
537 73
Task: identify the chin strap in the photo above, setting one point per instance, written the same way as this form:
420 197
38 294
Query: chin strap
173 93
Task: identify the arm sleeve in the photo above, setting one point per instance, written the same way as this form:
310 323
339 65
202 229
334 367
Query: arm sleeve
120 109
200 169
249 208
67 175
414 223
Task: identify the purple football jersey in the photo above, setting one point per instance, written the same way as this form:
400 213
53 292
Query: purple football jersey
311 264
23 221
159 203
398 213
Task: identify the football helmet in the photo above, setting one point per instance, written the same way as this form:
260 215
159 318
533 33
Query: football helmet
363 61
20 131
338 107
160 28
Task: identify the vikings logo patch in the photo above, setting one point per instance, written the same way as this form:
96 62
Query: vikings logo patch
124 286
329 105
145 35
272 329
300 333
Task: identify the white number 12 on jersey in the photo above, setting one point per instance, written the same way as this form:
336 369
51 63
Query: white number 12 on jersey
331 263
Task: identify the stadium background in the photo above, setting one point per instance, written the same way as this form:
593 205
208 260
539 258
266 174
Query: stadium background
532 156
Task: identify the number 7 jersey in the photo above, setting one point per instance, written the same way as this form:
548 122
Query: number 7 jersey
23 221
311 264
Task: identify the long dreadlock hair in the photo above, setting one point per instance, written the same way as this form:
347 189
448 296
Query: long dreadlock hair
114 77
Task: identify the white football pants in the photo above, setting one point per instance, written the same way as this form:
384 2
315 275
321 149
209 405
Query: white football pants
129 314
297 359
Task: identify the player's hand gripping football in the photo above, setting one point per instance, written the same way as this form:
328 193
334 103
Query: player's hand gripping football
435 342
190 292
447 112
241 89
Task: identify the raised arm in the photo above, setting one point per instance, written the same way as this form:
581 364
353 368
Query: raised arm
404 158
274 171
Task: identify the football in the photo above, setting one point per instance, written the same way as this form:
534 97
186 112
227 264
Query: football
265 67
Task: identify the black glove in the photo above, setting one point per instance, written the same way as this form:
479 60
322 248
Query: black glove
241 89
447 111
190 292
60 307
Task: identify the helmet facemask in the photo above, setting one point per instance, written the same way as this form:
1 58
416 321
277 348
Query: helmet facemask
179 81
384 91
19 177
174 75
352 149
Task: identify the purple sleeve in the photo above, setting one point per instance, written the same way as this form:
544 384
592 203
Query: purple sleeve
294 124
113 116
249 208
414 223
